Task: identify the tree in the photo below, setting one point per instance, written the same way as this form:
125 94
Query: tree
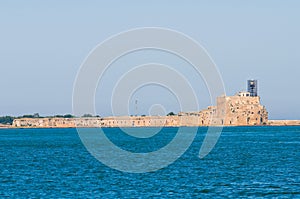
170 114
36 115
27 116
58 116
87 115
68 116
6 120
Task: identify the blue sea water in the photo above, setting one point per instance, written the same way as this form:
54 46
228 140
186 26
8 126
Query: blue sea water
248 162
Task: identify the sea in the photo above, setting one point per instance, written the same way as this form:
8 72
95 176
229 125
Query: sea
246 162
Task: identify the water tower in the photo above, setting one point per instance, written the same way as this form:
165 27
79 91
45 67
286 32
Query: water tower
252 88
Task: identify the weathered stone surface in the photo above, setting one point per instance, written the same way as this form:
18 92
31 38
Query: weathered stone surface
235 111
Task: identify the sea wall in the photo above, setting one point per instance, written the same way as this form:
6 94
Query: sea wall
4 126
284 122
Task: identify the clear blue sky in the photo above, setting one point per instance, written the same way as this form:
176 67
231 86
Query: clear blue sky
43 43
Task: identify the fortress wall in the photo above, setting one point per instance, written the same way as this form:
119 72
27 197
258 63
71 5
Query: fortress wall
189 119
87 122
55 122
135 121
140 121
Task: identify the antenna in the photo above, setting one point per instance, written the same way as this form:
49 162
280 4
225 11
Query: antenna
136 107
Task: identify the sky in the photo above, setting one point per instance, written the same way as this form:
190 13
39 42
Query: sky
44 43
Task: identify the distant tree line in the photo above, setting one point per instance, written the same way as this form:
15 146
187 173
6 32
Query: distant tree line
6 119
171 114
64 116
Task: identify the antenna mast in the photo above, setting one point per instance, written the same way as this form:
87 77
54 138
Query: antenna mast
136 107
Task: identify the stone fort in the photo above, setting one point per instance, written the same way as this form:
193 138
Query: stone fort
243 109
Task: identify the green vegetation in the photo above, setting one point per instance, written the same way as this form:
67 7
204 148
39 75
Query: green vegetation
35 115
171 114
87 115
69 116
6 120
64 116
